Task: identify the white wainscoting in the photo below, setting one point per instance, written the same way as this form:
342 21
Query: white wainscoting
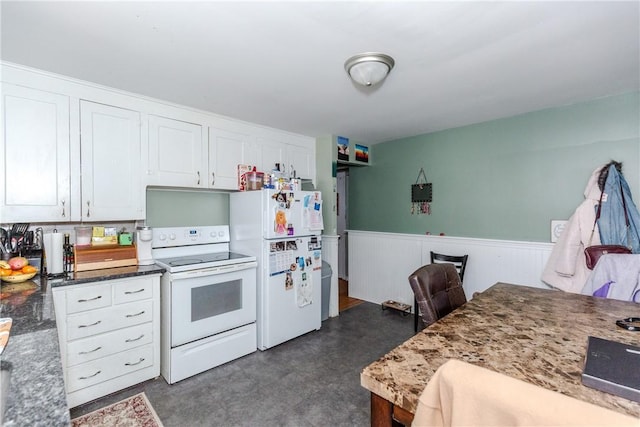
380 263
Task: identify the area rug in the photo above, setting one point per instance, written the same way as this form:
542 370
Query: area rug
135 411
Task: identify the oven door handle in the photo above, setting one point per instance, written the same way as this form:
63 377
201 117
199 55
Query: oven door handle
240 266
230 267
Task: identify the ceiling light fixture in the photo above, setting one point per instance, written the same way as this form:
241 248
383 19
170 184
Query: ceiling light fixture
370 68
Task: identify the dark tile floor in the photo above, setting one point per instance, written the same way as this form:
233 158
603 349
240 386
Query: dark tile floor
313 380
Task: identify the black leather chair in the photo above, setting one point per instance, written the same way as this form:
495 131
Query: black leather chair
438 291
460 264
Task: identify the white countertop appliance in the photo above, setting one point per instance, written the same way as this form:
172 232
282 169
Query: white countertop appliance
144 236
282 228
208 300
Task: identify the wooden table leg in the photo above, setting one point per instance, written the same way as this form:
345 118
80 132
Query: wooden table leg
381 412
386 414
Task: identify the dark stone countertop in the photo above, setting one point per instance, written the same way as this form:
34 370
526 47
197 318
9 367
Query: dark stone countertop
36 392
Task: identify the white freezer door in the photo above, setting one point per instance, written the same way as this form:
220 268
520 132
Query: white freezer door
292 290
291 213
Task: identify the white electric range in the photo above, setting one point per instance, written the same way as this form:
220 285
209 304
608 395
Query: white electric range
208 300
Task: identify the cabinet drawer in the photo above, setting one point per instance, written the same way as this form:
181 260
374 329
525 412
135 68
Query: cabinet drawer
132 290
95 347
108 319
106 368
88 298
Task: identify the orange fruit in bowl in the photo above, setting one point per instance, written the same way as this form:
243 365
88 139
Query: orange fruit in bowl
29 269
5 272
17 273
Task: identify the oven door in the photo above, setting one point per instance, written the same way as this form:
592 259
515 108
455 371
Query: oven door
209 301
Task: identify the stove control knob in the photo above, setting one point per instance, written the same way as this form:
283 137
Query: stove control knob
162 237
172 236
221 233
212 234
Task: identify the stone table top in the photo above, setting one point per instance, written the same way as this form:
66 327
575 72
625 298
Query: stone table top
535 335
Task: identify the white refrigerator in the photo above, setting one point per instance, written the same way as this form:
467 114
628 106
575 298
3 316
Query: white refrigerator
282 229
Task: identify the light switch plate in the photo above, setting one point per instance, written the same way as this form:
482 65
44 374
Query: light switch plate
557 226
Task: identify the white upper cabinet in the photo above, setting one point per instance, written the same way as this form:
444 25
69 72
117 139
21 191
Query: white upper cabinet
35 159
301 160
74 151
272 151
228 149
177 153
110 157
291 157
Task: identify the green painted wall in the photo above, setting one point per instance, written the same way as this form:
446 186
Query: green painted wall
503 179
172 208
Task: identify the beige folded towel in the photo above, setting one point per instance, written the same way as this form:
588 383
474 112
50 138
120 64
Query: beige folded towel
461 394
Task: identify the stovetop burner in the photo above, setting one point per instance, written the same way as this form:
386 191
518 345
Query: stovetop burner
181 249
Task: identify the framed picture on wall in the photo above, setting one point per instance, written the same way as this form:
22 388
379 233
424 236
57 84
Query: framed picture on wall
362 153
343 148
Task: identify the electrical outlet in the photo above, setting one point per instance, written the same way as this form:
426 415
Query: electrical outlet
557 226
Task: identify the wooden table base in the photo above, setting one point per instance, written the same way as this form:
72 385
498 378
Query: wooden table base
386 414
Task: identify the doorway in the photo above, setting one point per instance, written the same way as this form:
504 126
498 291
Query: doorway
342 225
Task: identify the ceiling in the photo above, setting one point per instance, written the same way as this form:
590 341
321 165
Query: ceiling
281 64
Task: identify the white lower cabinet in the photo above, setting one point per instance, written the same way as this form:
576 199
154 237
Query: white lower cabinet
109 335
121 364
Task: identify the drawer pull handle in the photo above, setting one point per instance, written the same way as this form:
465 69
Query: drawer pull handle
134 292
90 351
93 324
90 299
135 363
90 376
134 339
135 315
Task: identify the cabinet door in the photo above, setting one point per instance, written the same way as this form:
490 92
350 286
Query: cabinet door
228 149
271 152
177 153
35 177
301 160
110 158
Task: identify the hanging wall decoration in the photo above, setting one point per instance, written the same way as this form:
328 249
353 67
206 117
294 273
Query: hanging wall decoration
421 193
362 153
343 148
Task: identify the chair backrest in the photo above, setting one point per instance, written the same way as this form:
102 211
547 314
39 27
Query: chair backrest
438 291
460 262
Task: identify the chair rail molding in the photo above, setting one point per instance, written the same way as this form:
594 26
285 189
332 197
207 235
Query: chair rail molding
380 263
